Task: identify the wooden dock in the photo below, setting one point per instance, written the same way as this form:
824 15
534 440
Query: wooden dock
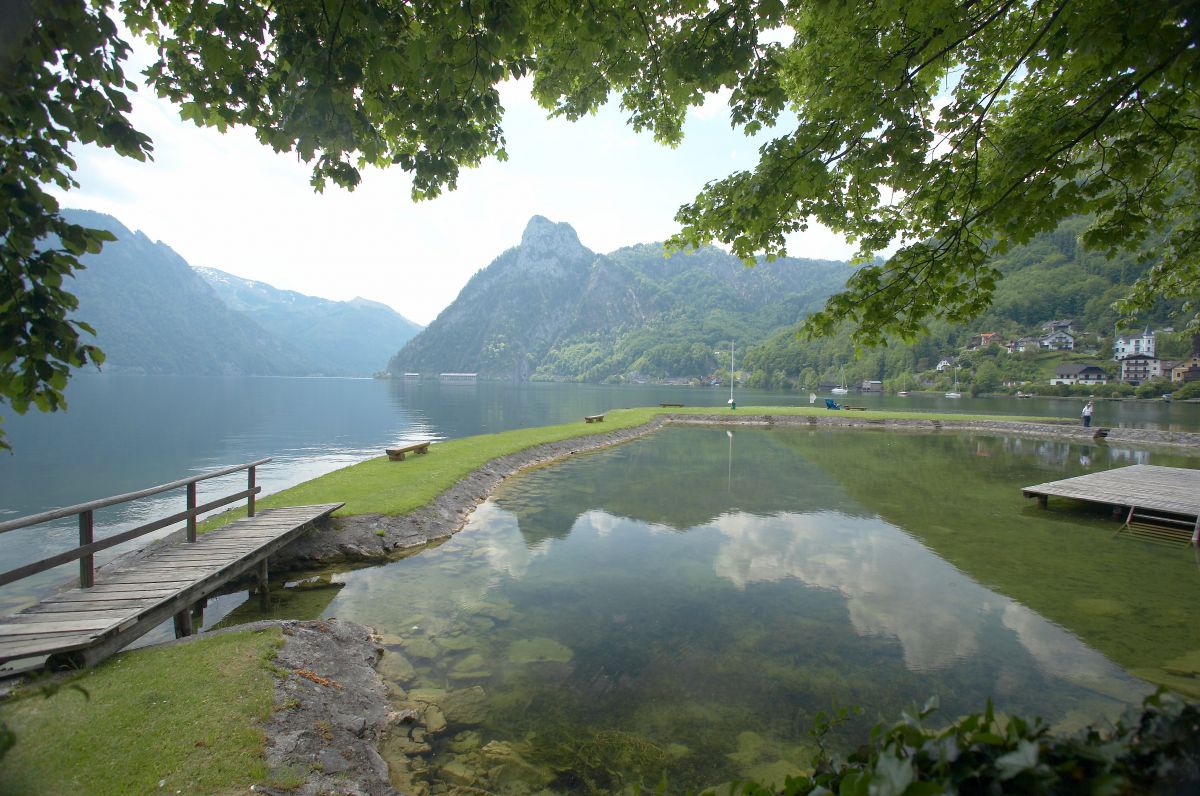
82 626
1169 494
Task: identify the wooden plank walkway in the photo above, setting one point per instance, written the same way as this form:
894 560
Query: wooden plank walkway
1175 490
86 625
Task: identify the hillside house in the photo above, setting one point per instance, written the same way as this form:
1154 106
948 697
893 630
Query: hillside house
1050 327
1075 373
1131 345
1024 344
948 362
1137 368
1059 340
985 339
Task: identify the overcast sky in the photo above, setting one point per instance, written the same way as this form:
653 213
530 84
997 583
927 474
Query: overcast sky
225 201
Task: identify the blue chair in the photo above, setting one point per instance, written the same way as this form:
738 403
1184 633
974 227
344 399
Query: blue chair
829 404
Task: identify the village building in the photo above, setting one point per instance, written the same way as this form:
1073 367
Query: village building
1185 371
1076 373
1137 368
1127 346
945 363
1059 340
1024 344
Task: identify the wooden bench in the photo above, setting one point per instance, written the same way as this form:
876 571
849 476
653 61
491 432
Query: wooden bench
593 418
397 454
855 408
667 406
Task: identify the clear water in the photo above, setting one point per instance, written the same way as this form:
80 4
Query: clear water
687 603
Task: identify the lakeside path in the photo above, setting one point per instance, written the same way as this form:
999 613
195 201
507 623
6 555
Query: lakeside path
383 520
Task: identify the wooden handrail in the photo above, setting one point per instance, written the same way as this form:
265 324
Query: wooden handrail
88 547
58 514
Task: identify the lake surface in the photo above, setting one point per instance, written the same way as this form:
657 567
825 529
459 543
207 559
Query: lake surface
687 603
126 432
684 603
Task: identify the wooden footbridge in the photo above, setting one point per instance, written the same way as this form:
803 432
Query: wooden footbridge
1158 503
110 609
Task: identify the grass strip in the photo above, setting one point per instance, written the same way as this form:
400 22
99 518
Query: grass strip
183 718
380 486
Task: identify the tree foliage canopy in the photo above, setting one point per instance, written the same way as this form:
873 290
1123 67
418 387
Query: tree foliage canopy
955 128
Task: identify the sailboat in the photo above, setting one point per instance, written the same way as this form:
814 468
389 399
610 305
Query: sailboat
841 390
955 393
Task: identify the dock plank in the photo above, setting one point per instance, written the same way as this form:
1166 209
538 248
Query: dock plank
1174 490
126 603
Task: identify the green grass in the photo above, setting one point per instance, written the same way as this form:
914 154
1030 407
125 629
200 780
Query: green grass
189 716
381 486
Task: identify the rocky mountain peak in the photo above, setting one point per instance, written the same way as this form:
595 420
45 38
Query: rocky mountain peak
543 236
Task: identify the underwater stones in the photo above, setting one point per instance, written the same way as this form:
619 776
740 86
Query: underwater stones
501 613
471 663
465 706
435 720
401 744
457 643
466 741
766 761
421 648
457 772
539 650
394 666
481 624
509 771
390 639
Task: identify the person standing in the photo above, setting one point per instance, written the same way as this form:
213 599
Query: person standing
1087 414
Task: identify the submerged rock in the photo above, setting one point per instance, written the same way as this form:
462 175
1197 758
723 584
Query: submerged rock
539 650
395 667
465 706
421 648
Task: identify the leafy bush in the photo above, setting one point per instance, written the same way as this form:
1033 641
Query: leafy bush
1189 390
1154 751
1153 388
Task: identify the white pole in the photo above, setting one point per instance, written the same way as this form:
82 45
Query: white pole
731 372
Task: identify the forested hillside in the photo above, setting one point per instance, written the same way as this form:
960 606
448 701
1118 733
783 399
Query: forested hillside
339 338
1050 278
154 314
552 309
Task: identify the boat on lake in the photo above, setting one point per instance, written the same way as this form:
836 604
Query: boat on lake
842 390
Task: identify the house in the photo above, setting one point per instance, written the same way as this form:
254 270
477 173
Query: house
1127 346
985 339
872 385
1024 344
1075 373
1059 341
458 377
1186 370
1137 368
1064 325
945 363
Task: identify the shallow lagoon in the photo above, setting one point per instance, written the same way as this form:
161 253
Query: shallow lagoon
687 603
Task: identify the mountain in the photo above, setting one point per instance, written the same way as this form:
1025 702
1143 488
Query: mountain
352 338
153 314
550 308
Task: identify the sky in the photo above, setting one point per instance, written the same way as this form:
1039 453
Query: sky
225 201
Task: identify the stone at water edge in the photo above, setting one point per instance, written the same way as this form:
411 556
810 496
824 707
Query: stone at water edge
539 650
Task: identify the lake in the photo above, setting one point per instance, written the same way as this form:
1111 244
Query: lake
126 432
688 603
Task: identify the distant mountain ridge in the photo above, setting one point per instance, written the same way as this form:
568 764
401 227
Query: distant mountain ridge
550 308
353 337
154 313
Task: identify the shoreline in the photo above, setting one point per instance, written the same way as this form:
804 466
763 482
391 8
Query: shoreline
377 538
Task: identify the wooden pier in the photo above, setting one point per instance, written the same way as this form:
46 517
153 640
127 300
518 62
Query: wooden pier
113 607
1162 495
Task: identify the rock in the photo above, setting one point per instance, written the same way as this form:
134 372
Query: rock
434 719
471 663
537 650
421 648
501 613
395 667
457 772
509 771
465 706
457 643
466 742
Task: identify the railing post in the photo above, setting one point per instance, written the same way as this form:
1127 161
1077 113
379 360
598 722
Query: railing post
87 577
250 486
191 510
